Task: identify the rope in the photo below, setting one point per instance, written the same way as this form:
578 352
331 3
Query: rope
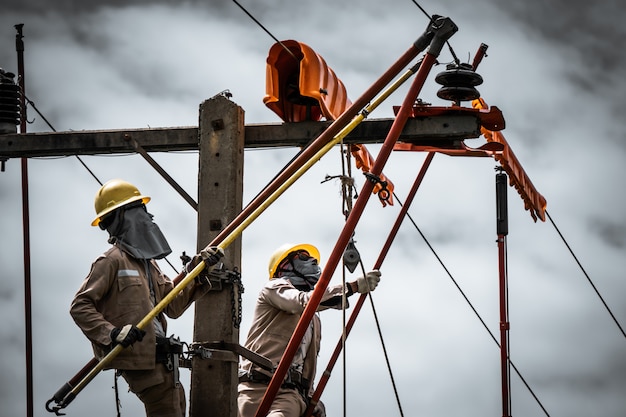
586 275
346 207
382 343
347 188
118 403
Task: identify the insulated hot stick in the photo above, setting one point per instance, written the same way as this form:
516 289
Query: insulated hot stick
336 131
437 33
321 385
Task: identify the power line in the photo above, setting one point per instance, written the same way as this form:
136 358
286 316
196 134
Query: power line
587 276
454 57
472 307
266 31
32 104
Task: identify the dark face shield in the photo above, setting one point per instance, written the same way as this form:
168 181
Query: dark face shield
132 228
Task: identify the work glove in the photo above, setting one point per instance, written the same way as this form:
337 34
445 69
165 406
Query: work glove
212 255
369 282
319 410
126 335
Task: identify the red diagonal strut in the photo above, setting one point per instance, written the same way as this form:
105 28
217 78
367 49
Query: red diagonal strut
441 29
357 307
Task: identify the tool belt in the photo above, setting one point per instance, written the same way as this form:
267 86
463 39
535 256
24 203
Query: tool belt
294 380
166 347
168 352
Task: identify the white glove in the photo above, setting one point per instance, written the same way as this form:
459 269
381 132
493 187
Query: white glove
212 255
369 282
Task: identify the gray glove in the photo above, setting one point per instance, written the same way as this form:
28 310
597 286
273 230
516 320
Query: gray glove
369 282
212 255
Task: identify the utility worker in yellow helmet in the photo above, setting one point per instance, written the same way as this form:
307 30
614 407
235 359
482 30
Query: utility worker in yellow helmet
293 271
123 286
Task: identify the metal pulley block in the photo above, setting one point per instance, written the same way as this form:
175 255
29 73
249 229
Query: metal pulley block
459 82
351 256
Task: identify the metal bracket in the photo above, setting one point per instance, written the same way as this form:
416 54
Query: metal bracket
383 194
220 276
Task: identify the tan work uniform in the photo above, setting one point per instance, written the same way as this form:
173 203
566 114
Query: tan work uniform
115 293
277 312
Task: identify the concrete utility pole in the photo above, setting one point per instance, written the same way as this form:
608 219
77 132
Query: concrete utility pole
221 137
220 188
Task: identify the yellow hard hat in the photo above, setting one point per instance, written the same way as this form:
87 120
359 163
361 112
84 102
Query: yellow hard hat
114 194
281 253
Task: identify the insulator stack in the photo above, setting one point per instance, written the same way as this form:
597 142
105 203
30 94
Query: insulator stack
9 103
459 83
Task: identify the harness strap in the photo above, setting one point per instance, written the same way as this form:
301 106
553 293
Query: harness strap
294 380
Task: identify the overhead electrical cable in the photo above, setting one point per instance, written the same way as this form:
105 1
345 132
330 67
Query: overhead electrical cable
472 307
606 306
456 60
266 31
32 104
138 149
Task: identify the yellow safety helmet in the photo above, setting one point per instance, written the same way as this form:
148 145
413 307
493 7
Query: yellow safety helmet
114 194
281 253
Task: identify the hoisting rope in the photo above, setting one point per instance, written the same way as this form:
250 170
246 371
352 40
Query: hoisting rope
347 193
347 187
435 35
118 403
382 344
309 156
357 308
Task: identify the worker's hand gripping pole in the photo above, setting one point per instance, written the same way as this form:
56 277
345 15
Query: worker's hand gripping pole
439 31
311 154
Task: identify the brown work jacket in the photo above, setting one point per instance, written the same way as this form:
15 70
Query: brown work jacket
276 315
116 293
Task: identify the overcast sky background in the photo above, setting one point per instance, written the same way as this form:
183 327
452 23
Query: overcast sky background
556 72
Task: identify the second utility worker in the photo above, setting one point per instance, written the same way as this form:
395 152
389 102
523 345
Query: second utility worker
293 272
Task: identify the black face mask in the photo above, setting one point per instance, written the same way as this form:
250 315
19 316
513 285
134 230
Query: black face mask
301 271
133 229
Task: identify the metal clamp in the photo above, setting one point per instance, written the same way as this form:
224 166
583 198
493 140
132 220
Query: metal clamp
383 193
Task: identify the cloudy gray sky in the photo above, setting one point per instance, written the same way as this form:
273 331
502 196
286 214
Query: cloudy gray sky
556 71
